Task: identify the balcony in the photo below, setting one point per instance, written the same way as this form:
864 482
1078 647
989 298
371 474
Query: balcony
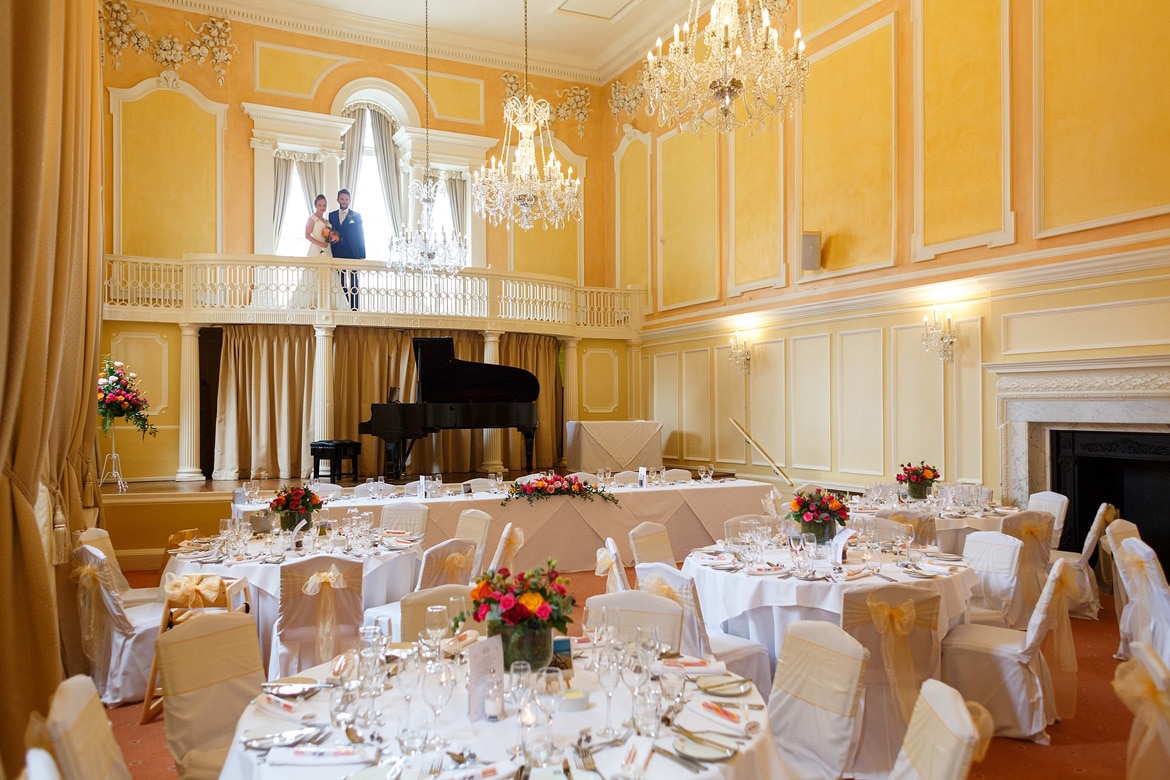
267 289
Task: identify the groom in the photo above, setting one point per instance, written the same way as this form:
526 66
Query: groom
352 243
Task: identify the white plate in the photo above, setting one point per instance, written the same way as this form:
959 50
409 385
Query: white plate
922 575
941 556
724 559
194 555
704 752
816 576
724 685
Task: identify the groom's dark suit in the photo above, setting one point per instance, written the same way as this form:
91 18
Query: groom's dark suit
351 246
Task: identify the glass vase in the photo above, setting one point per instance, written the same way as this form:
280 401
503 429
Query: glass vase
822 531
522 643
918 490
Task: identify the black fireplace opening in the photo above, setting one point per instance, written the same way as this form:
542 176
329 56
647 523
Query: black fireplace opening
1129 470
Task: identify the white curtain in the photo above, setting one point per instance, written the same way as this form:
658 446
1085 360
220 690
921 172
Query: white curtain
351 145
457 198
382 129
541 356
265 402
312 180
282 169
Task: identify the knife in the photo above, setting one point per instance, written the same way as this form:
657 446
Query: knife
694 766
693 737
885 576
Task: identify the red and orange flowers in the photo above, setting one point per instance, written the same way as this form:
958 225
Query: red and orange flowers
536 599
556 485
119 396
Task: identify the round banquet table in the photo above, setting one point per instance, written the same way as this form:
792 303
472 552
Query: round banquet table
762 607
387 576
757 758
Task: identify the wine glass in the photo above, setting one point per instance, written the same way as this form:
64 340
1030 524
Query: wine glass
438 684
904 535
609 670
550 689
520 681
408 678
592 624
437 622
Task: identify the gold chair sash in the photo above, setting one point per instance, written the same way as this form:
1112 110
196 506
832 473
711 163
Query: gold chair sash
512 544
323 583
88 579
1035 528
194 591
456 567
1139 692
1058 647
608 569
659 587
894 625
984 726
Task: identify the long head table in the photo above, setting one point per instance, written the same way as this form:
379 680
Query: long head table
571 529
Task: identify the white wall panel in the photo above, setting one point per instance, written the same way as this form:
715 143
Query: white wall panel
860 400
767 422
810 419
696 405
917 384
148 355
1097 326
968 424
666 401
730 401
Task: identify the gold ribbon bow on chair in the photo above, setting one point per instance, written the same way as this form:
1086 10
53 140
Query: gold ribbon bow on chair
324 583
1149 704
1058 646
656 585
512 544
1035 529
88 579
605 568
456 567
194 591
894 625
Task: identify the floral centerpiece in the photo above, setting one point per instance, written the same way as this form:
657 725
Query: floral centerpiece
556 485
522 609
294 504
918 478
818 512
119 396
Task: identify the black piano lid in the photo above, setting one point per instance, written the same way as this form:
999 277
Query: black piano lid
443 379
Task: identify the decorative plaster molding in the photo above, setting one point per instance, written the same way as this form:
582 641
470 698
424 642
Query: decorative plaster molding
625 98
1064 383
213 40
576 101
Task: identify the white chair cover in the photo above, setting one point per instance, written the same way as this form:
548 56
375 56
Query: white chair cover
211 670
898 624
610 566
677 475
328 490
511 540
447 563
744 657
1005 670
473 526
1057 506
585 476
946 734
1086 603
118 640
921 522
408 516
479 485
413 609
731 524
364 490
1034 529
83 740
100 538
39 765
1143 684
813 706
651 543
636 609
995 558
807 487
319 614
1146 618
1116 533
524 480
625 478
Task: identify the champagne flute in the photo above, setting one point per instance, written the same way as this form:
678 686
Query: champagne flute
437 622
437 686
520 686
609 669
592 623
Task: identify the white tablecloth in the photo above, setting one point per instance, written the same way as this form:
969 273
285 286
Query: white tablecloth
758 758
953 529
615 445
761 607
386 577
571 529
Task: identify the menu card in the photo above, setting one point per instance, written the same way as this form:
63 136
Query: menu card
641 476
837 545
482 657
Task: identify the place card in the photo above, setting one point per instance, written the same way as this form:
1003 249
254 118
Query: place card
641 476
837 545
482 657
563 656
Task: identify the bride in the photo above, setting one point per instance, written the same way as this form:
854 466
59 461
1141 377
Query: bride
315 229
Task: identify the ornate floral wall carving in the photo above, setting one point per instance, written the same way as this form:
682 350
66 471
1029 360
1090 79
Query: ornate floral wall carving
576 101
212 41
625 98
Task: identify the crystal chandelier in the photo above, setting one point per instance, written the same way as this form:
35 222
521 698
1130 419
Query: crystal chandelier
527 185
731 75
938 338
423 250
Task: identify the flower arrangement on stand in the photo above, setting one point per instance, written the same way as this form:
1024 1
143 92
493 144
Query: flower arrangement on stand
555 485
918 479
818 512
294 504
523 609
120 396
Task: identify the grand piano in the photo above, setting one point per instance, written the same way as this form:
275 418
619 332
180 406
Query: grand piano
454 394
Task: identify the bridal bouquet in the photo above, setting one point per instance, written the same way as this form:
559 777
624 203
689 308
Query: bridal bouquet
330 235
555 485
119 396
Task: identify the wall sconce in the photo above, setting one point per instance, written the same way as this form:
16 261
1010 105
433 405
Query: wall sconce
938 337
740 356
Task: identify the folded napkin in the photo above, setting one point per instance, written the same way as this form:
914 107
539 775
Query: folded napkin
457 644
707 559
734 720
948 567
316 755
713 549
690 665
764 569
497 771
281 708
855 574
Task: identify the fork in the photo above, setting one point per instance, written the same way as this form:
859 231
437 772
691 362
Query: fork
585 759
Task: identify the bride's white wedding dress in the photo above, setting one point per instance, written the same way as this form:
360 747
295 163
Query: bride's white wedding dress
319 226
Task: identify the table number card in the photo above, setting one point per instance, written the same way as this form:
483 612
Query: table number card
641 476
482 657
837 545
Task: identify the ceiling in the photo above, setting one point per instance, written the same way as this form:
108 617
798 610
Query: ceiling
586 40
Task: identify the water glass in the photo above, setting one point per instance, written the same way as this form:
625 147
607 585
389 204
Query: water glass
810 544
672 682
520 681
437 622
343 701
550 688
536 736
647 711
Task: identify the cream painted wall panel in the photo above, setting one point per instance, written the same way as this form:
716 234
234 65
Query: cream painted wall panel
688 219
284 70
860 421
696 405
757 207
666 401
917 430
810 416
730 401
599 385
1096 160
963 132
1097 326
767 422
550 252
633 260
456 98
816 15
645 398
847 150
968 402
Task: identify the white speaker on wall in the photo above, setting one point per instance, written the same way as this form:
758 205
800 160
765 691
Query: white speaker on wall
810 251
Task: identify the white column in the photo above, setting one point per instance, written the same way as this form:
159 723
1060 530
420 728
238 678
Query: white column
264 195
322 413
572 389
492 450
189 470
634 384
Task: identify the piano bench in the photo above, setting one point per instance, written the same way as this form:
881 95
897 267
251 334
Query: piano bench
336 451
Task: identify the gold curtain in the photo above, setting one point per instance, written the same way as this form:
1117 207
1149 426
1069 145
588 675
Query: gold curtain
541 356
262 429
50 272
